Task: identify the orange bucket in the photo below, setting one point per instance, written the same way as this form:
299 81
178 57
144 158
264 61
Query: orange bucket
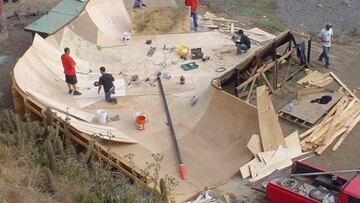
140 122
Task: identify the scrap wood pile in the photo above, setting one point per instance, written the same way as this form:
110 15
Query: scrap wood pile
270 149
316 78
340 119
213 22
224 25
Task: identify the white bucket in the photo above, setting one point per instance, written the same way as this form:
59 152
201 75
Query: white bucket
101 116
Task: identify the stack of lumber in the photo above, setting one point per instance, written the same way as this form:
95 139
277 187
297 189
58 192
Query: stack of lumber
316 78
209 19
270 149
339 121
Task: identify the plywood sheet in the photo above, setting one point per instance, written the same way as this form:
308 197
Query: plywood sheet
311 112
271 133
62 107
97 131
152 21
254 144
259 35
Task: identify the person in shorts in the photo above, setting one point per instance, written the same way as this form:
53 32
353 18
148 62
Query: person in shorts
106 80
70 73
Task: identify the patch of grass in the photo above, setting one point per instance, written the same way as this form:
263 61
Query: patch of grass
255 9
271 24
354 32
261 11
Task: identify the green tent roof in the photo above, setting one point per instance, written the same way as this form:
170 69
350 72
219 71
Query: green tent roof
58 17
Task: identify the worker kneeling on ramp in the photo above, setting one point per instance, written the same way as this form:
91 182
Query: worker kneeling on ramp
106 80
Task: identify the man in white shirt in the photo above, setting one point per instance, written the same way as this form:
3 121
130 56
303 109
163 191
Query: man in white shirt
325 36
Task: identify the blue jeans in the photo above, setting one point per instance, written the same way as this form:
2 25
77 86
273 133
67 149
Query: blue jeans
325 54
240 47
194 17
108 97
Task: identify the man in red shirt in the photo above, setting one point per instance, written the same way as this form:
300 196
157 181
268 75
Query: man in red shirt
193 5
69 70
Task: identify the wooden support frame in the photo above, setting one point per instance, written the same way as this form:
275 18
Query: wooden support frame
254 67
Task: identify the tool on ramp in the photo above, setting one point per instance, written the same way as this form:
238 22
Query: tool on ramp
111 46
182 169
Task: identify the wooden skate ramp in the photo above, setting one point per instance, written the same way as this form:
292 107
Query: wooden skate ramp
212 134
215 148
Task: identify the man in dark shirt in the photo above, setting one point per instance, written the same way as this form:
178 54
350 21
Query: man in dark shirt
106 80
242 42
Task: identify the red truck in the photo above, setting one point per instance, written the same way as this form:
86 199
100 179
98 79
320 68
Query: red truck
309 184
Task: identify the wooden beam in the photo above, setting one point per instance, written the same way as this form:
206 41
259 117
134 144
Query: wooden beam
310 90
267 82
275 75
251 88
271 133
309 50
343 85
249 80
254 144
347 132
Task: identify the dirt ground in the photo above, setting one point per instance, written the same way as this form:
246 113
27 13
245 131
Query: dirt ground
307 16
16 41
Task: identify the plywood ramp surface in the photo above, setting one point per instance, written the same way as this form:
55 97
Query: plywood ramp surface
213 148
212 134
110 17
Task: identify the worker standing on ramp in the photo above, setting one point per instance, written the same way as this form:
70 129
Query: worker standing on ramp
193 5
69 70
106 80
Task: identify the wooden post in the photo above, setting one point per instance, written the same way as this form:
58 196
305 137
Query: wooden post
309 51
236 81
275 75
18 101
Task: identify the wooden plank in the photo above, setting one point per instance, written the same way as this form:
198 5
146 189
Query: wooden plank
349 106
226 196
269 169
251 88
322 148
271 133
311 112
281 159
347 132
293 141
254 144
312 74
257 74
310 91
245 169
338 112
255 168
343 85
266 156
267 82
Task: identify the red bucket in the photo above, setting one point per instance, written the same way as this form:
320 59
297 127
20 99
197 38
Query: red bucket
140 122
